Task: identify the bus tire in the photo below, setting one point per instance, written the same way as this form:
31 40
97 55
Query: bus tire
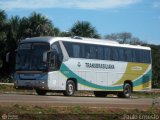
127 90
70 88
100 93
41 92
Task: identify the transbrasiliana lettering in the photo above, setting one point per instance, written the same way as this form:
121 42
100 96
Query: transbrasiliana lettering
101 66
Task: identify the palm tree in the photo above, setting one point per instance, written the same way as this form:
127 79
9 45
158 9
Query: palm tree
56 31
2 18
13 36
84 29
25 30
40 25
2 24
2 35
3 43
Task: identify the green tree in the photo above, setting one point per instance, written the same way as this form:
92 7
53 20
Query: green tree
13 36
155 65
56 32
3 21
84 29
2 24
39 25
65 34
24 28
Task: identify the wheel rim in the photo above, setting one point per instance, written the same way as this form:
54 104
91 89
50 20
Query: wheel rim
127 91
70 89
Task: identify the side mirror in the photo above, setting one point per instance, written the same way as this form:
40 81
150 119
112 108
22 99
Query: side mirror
11 56
7 57
45 56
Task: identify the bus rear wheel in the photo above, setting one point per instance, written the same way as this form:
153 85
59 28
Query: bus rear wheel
41 92
100 93
127 90
70 88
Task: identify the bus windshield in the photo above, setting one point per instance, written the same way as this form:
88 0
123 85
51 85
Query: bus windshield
30 57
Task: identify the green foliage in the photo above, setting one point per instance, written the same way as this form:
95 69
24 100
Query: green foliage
3 20
39 25
156 65
84 29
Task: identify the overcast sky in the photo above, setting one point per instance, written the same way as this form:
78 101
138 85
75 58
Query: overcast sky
139 17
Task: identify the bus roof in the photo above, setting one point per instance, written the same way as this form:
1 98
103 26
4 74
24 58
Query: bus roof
83 40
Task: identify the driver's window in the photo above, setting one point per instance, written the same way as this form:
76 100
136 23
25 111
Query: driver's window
59 56
56 47
53 61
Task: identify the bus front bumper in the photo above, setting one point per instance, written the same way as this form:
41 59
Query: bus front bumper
31 84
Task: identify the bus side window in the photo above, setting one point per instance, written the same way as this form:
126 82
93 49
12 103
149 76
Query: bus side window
100 55
69 48
93 52
83 52
134 56
115 53
87 51
121 54
128 55
107 53
76 51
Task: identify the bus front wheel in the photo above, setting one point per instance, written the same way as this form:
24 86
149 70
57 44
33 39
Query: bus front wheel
41 92
127 90
70 88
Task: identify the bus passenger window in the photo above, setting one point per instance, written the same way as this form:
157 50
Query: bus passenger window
107 53
76 51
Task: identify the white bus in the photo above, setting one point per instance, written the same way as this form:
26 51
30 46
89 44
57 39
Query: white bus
65 64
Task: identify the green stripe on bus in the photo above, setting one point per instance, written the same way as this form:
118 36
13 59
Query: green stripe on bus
70 74
144 79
